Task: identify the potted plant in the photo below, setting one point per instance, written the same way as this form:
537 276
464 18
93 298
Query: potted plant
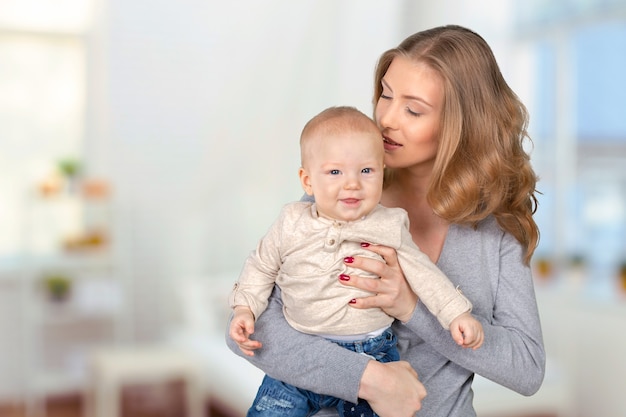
57 286
621 276
544 267
70 169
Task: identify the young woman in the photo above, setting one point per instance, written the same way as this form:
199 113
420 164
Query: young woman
453 132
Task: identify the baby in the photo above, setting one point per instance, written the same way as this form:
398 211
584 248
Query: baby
305 251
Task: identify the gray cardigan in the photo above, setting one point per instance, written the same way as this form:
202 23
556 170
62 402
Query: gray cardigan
487 264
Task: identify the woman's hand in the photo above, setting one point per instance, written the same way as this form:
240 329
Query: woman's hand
392 389
393 293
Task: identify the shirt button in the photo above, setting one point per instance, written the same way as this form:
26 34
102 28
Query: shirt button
331 242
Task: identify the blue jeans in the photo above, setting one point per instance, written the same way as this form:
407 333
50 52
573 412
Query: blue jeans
278 399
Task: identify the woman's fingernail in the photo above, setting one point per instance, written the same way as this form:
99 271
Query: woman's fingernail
344 277
365 245
353 301
348 259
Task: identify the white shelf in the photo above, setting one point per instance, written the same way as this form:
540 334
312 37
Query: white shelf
18 266
83 260
74 237
68 315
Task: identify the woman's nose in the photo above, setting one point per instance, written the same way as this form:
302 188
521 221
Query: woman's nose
386 116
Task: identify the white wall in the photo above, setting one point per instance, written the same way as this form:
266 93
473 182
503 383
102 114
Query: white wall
195 112
197 115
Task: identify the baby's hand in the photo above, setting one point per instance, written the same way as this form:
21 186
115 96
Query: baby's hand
467 331
241 327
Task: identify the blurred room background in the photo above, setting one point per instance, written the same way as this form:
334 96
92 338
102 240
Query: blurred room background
145 147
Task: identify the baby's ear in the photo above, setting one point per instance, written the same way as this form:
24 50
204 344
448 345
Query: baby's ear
305 181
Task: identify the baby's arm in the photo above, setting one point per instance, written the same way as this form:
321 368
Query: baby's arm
306 361
240 329
249 296
467 331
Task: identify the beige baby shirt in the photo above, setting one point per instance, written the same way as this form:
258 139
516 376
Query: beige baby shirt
303 254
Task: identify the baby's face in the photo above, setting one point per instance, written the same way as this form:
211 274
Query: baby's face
345 174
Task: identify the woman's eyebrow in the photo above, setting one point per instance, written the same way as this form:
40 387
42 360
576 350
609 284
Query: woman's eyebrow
407 96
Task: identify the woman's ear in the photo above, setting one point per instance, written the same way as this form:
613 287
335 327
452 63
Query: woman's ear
305 180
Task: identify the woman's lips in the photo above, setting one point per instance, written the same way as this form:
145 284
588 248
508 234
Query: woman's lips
390 144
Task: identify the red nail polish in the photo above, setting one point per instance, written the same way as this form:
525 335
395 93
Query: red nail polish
344 277
348 259
365 245
353 301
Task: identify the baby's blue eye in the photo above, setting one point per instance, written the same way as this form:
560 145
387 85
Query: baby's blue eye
334 172
366 170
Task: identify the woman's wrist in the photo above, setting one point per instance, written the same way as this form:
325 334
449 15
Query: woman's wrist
370 380
392 388
412 302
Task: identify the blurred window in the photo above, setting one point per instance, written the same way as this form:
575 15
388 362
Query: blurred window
42 79
600 62
578 122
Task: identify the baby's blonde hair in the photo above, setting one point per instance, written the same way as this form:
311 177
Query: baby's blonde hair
333 121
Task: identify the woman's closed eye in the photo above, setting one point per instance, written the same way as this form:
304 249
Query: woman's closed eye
412 112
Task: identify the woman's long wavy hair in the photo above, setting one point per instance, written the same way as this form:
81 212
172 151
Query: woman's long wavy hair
481 167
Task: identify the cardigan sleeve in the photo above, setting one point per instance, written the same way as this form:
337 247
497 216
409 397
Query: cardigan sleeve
513 354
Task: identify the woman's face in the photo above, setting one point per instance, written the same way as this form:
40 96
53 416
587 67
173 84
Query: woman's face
408 113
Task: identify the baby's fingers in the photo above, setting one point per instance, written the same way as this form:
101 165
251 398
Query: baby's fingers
249 346
240 332
478 340
238 335
458 336
471 338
